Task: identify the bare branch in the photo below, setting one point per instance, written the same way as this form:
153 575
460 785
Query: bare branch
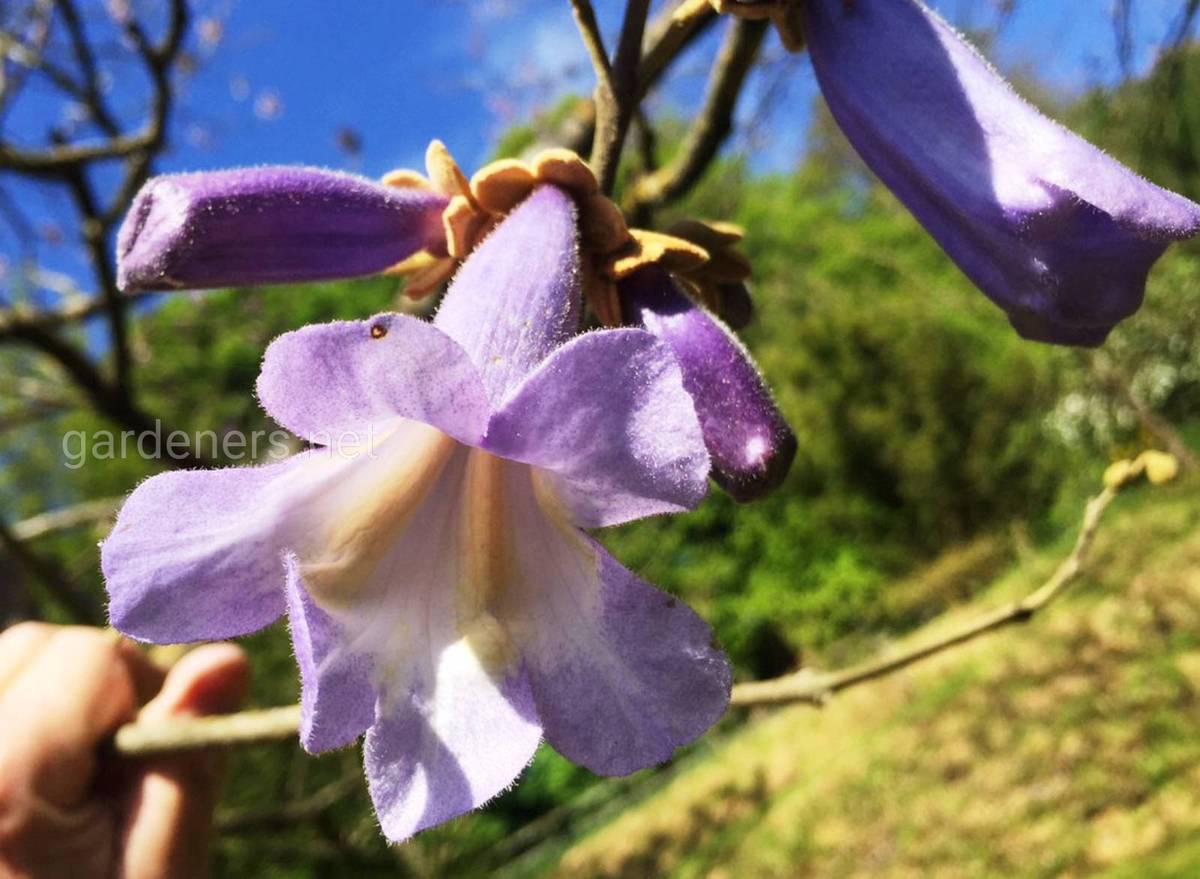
89 92
81 608
53 521
1183 25
107 398
593 41
57 161
174 736
15 322
816 688
617 96
1122 19
667 37
710 128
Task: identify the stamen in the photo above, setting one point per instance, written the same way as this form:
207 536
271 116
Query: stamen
486 537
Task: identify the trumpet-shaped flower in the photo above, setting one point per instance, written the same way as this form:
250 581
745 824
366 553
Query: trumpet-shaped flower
441 594
270 225
1054 231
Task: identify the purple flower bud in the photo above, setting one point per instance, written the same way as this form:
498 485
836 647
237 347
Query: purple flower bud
751 445
1054 231
269 226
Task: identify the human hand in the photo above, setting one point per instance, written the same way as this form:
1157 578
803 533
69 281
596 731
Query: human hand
64 813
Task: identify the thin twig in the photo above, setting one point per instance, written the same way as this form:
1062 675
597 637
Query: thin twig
593 40
617 96
108 398
82 608
667 37
141 740
194 734
74 307
711 127
53 521
816 688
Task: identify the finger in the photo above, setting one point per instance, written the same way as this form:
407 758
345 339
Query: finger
170 817
74 692
18 646
147 675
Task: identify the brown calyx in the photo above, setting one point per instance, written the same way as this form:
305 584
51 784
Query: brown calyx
699 254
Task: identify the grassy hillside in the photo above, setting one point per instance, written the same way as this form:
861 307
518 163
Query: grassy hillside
1064 747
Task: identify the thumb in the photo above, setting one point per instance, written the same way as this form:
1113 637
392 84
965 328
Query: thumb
169 822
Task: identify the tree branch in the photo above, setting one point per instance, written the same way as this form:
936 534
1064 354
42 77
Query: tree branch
62 519
617 96
17 322
173 736
816 688
593 41
667 37
79 607
714 124
107 398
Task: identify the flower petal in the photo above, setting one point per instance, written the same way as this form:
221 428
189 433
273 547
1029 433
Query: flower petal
337 697
460 738
751 445
389 559
1055 232
326 380
269 226
622 674
608 416
517 297
195 555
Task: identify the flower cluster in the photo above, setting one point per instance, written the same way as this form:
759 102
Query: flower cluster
442 593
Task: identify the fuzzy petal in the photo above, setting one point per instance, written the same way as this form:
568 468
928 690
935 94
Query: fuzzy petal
327 380
337 698
517 297
457 741
622 674
608 416
1055 232
454 722
196 555
751 445
269 226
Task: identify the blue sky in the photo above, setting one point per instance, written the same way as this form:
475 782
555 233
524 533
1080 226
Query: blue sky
277 80
403 71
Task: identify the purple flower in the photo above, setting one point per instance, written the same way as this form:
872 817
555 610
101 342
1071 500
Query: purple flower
751 445
1055 232
269 226
441 595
